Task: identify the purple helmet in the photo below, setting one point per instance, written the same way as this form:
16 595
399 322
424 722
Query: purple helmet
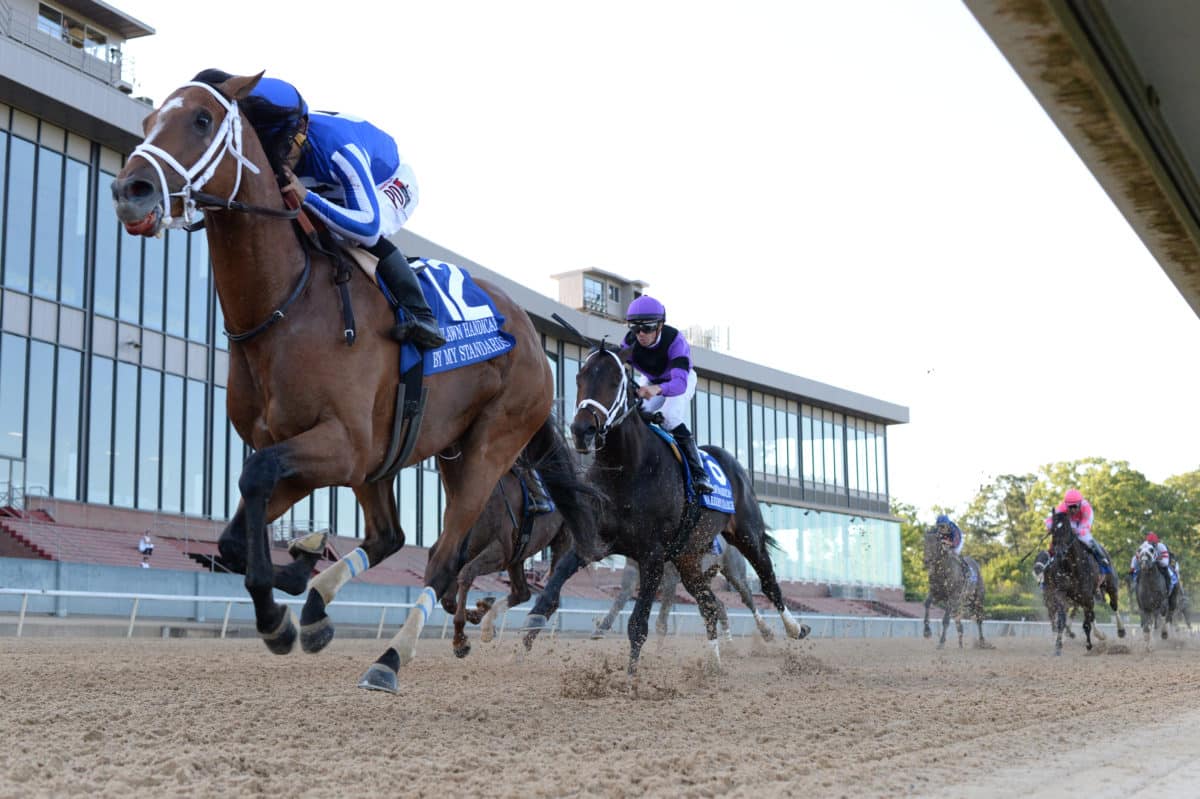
645 310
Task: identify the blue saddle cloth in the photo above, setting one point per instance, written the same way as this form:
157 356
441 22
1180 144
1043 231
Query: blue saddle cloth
721 498
467 317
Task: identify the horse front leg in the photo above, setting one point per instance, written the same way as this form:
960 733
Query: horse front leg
1089 619
292 578
650 571
1060 622
518 594
958 625
547 603
383 538
629 583
739 584
670 582
928 633
945 627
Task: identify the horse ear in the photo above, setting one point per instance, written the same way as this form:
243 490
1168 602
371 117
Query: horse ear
238 88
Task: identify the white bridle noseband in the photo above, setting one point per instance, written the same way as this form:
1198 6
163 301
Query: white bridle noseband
227 140
620 408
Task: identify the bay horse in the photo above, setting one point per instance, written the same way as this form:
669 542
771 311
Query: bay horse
1155 597
1071 578
955 585
315 411
730 563
648 517
507 532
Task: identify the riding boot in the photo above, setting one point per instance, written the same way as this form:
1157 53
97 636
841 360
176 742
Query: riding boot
539 499
687 444
1166 576
1100 556
401 281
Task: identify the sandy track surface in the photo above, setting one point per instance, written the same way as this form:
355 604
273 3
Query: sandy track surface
104 717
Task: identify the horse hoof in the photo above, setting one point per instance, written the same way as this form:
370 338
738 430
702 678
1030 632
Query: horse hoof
941 645
928 633
486 634
801 632
315 637
283 638
1089 647
1057 653
597 635
379 678
1121 633
462 651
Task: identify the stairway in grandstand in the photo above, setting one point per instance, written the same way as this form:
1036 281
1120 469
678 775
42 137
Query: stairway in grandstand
35 534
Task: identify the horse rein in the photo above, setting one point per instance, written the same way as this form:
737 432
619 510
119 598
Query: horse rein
615 413
226 141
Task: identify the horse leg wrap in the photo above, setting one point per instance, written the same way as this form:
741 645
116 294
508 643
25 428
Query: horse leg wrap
790 624
406 639
712 661
330 581
487 625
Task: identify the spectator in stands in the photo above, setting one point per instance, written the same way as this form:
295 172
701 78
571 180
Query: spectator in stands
146 547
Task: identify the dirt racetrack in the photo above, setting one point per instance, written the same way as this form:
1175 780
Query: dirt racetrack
184 717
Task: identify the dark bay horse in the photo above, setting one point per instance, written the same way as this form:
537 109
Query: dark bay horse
507 533
1071 578
315 411
955 585
730 563
1155 597
646 516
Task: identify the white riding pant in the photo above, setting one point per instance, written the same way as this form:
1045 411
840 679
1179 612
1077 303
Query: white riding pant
676 410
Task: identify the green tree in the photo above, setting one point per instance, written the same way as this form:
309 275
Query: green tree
912 551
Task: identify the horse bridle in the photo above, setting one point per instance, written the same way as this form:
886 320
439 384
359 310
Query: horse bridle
226 141
615 413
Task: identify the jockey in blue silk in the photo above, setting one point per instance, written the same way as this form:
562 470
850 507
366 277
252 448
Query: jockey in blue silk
950 532
349 174
662 361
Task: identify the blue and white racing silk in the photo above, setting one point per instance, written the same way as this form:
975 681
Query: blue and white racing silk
721 498
347 164
466 316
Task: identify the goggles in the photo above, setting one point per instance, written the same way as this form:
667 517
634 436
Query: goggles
1073 508
644 327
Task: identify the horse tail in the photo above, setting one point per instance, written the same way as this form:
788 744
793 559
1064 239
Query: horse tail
577 501
747 513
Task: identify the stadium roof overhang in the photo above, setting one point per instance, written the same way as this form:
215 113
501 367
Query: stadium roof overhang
1121 80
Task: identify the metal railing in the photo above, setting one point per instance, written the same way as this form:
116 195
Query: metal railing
681 621
18 25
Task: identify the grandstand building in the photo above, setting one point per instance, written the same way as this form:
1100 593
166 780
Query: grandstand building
113 362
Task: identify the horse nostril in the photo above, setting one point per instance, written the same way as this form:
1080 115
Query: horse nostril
132 189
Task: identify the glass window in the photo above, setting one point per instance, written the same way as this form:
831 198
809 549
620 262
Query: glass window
770 458
219 448
347 513
130 304
125 435
785 443
431 515
12 403
701 431
193 453
39 418
74 232
66 424
153 281
3 171
593 295
614 293
321 506
177 289
100 430
743 427
759 447
73 31
95 43
237 457
50 21
408 504
49 196
172 444
716 416
198 287
838 442
18 222
104 276
148 439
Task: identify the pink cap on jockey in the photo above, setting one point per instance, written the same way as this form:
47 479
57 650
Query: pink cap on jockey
1072 497
1151 538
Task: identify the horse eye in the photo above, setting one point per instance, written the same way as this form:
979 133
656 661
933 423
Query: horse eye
203 121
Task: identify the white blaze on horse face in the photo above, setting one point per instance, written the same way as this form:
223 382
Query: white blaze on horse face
160 117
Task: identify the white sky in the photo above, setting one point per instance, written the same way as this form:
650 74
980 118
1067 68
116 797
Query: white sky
864 192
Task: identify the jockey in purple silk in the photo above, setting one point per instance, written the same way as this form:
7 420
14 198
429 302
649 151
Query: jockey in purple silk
662 361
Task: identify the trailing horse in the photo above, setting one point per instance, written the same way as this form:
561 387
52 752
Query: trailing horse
509 531
1155 596
1072 578
651 517
955 584
730 563
315 411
